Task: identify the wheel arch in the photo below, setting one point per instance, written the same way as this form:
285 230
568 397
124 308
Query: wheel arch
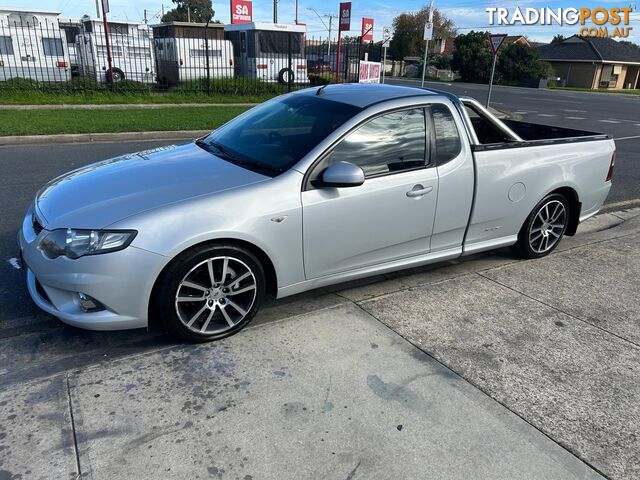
574 208
261 255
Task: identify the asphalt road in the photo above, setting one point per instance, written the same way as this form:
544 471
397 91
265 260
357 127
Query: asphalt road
614 114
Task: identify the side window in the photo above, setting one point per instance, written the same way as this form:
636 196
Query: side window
6 46
447 138
389 143
52 47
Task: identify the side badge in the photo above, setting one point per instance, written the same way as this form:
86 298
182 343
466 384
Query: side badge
280 218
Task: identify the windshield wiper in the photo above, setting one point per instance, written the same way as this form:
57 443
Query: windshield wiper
229 156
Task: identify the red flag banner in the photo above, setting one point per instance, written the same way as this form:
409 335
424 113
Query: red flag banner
345 17
367 30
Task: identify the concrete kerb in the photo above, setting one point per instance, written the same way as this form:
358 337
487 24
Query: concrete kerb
101 137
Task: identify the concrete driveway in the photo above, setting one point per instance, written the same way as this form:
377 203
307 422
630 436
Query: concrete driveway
484 368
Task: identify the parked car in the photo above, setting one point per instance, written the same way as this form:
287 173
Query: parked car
319 67
309 189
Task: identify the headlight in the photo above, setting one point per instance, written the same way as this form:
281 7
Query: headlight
77 243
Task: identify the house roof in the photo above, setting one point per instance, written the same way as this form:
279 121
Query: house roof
590 50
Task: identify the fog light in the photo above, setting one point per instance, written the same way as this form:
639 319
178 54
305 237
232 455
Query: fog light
88 303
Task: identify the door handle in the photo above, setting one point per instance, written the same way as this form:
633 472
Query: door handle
418 191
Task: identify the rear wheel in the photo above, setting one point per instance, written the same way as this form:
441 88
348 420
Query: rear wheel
211 292
544 228
118 76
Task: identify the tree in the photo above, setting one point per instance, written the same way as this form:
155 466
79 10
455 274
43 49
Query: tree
518 62
472 57
409 30
199 10
557 39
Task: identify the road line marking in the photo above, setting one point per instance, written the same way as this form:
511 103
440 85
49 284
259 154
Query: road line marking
627 138
575 118
576 111
623 203
522 112
14 263
546 115
609 121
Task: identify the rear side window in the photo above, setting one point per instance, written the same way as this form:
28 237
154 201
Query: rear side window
447 138
387 144
52 47
6 46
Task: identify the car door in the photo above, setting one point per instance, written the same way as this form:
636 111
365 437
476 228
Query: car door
390 216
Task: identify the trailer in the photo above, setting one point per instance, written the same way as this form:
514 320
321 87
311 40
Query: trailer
181 51
72 29
131 51
33 46
271 52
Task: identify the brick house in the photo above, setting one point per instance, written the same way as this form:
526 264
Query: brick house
594 62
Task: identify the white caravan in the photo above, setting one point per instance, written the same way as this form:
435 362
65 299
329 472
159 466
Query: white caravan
131 51
271 52
181 52
33 46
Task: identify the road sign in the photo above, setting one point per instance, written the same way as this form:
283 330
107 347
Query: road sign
496 41
367 30
428 31
345 17
386 36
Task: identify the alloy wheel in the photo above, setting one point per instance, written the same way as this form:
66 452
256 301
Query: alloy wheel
548 226
216 295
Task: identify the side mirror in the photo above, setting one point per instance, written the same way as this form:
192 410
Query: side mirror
342 174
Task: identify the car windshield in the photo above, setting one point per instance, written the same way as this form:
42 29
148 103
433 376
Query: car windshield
278 133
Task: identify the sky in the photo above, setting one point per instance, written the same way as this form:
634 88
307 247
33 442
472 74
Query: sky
466 14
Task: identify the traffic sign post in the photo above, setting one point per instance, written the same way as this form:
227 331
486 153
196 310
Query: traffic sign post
495 41
386 37
428 34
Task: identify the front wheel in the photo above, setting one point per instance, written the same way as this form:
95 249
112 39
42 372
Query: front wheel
544 228
211 292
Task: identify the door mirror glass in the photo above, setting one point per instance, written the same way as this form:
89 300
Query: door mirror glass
342 174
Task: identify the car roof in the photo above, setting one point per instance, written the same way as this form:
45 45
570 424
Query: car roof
363 95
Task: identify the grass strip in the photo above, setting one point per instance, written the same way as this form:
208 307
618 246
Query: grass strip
50 122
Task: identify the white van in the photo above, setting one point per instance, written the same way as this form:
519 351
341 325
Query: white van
263 51
33 46
181 52
131 51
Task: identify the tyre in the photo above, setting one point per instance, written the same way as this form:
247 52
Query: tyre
118 75
544 228
285 76
210 292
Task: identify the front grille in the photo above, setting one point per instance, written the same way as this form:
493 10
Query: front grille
37 226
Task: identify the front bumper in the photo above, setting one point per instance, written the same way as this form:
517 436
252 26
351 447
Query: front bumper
122 281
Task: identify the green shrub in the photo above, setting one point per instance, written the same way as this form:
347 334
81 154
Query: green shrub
230 86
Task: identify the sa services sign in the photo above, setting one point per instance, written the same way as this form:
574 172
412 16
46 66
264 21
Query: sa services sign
241 11
367 30
345 17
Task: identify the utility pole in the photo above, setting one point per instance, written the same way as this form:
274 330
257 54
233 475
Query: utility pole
275 11
325 26
427 37
105 9
145 16
188 14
